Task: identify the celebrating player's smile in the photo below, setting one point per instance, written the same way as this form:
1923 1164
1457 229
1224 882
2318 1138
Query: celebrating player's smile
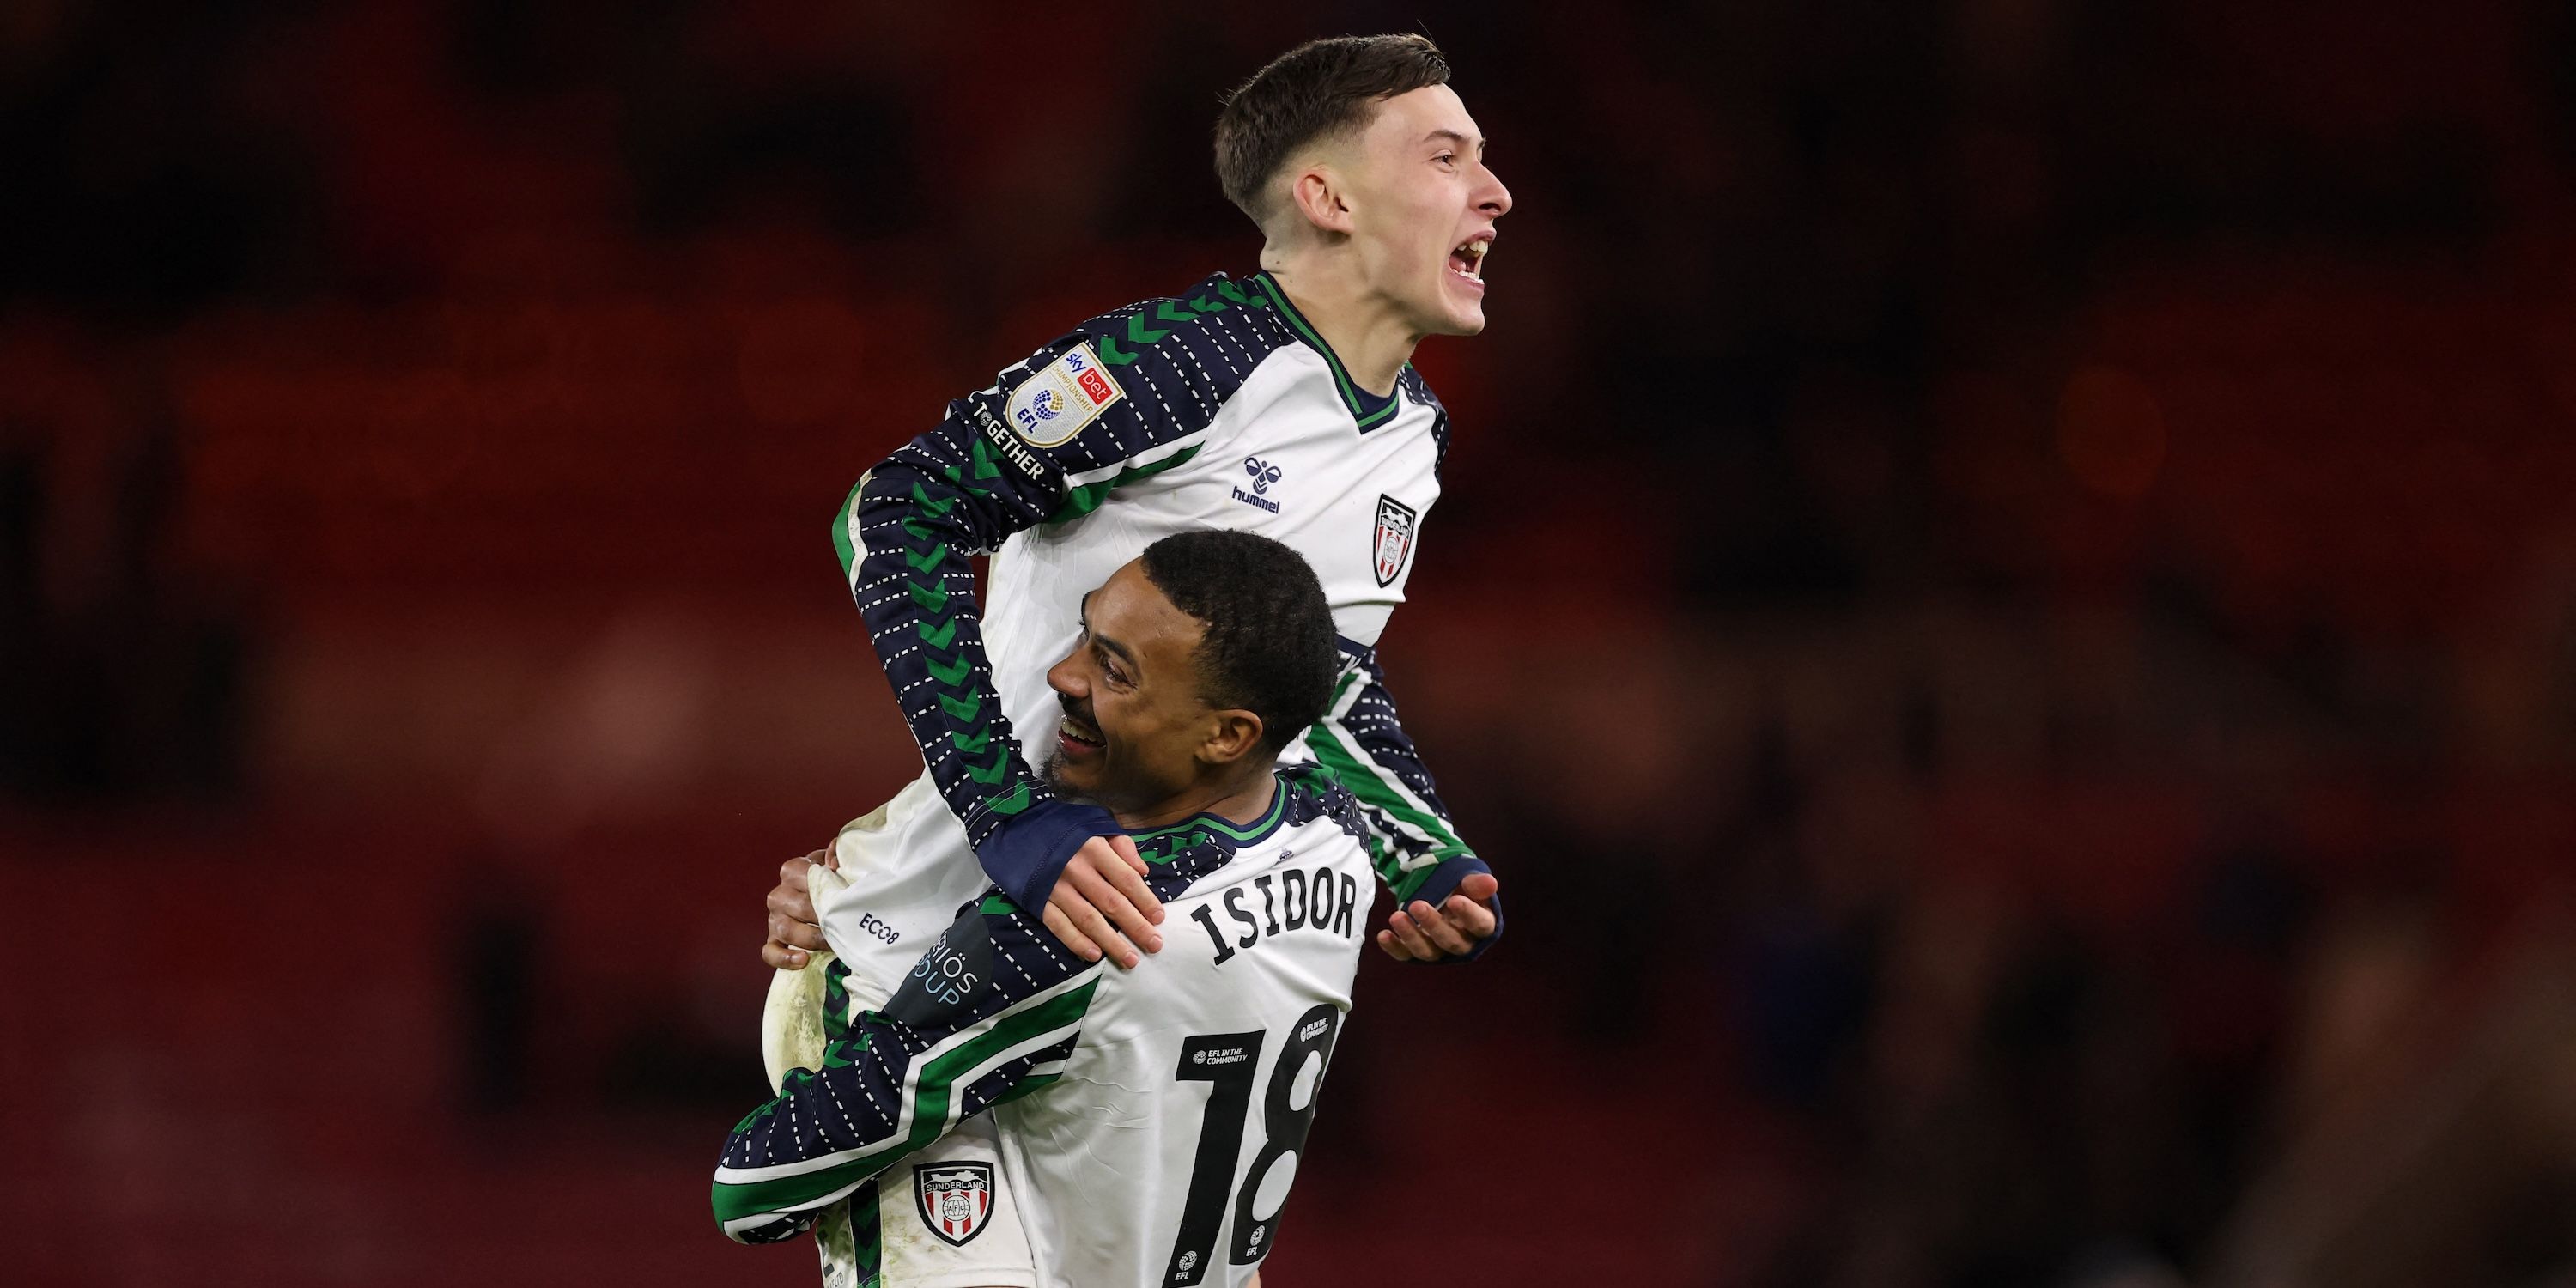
1117 748
1282 403
1203 658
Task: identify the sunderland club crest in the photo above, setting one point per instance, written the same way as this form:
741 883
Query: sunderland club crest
955 1199
1394 540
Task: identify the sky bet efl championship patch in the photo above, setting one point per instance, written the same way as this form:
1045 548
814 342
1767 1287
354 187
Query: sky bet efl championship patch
1057 402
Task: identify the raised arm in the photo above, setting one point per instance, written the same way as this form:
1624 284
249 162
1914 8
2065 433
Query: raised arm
1048 442
990 1012
1416 851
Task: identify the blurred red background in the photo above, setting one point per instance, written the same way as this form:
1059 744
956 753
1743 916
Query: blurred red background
2005 610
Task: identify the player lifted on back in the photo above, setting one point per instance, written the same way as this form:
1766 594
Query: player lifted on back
1153 1120
1282 403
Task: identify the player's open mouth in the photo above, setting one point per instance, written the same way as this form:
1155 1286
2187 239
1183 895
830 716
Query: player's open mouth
1079 738
1467 260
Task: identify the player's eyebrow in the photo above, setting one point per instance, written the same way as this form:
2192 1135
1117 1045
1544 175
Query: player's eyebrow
1104 641
1455 137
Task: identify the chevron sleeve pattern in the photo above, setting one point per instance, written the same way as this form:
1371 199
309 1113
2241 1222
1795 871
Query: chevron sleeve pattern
1129 395
949 1044
991 1012
1415 849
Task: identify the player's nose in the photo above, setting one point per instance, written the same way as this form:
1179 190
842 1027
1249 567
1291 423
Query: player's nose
1493 198
1066 678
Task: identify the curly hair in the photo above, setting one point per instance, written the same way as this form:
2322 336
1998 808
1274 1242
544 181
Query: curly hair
1269 646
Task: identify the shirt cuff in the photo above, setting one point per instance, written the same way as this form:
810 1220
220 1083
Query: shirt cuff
1027 854
1443 882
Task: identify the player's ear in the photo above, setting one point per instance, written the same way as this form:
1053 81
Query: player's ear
1233 734
1316 191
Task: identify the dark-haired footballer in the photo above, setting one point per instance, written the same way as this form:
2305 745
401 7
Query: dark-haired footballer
1282 403
1151 1119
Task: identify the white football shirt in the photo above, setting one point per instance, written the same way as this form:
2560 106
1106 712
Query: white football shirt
1219 408
1152 1118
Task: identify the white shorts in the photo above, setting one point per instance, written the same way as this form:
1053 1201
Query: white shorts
944 1217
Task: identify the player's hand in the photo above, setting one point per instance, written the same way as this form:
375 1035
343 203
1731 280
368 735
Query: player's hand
794 932
1101 897
1422 933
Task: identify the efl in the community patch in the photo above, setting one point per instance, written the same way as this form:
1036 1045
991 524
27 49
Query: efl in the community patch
1069 393
955 1199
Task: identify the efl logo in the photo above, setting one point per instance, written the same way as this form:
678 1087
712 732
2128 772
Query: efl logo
1053 404
955 1199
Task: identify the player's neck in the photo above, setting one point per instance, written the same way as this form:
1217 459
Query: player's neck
1365 329
1240 799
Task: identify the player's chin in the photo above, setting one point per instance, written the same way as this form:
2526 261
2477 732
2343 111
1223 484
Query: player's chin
1068 776
1461 310
1460 319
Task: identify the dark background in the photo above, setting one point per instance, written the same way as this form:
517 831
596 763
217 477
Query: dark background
2005 609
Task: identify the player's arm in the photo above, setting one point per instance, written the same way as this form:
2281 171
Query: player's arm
1447 905
991 1011
1048 442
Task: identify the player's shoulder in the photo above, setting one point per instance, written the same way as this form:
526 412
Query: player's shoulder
1174 361
1309 800
1315 798
1231 320
1417 389
1156 371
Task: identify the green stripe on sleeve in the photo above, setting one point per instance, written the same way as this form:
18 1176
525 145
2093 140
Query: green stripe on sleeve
841 524
1365 779
930 1097
1087 498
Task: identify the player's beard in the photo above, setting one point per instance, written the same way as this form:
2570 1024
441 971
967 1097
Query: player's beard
1051 772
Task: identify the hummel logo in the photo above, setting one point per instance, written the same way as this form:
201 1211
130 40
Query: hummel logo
1263 475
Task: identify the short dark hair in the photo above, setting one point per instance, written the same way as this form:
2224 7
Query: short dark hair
1269 646
1318 89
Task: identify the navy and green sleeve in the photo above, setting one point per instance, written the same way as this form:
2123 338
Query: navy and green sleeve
1140 387
992 1011
1361 740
